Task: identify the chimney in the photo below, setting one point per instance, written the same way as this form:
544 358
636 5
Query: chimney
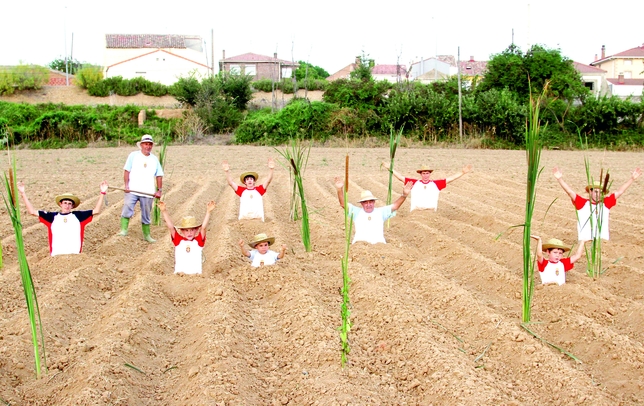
620 78
603 51
472 58
595 56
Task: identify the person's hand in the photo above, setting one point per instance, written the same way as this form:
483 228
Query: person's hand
157 195
161 205
339 182
283 249
557 173
407 188
225 166
210 206
535 237
467 168
271 163
241 243
103 187
636 173
21 187
385 164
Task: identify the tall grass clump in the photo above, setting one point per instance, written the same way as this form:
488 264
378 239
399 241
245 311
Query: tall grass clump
13 209
296 154
156 211
345 313
533 147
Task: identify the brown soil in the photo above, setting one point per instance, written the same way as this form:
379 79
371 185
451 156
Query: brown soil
435 312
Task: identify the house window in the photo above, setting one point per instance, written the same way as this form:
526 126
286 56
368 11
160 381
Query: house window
590 85
628 62
628 74
250 70
287 72
235 69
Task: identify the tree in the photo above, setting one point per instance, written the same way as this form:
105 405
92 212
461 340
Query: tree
524 73
314 72
59 64
362 72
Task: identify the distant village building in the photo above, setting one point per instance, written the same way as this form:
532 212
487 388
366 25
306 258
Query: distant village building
258 66
157 58
594 79
624 71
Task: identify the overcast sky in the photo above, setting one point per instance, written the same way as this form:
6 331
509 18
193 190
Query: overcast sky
328 34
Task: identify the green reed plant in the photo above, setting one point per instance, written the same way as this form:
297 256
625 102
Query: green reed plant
345 311
533 146
156 211
394 141
296 154
13 209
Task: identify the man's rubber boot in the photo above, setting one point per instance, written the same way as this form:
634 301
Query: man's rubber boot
146 233
124 223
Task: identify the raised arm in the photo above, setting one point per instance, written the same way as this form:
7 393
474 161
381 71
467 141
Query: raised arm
282 252
559 176
539 247
30 208
634 175
167 219
466 169
580 251
229 178
395 173
243 249
339 185
126 181
204 225
99 203
269 178
403 197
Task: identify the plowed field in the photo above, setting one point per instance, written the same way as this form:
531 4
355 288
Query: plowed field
436 311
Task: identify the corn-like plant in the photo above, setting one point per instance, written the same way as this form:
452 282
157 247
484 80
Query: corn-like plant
533 146
296 154
345 312
394 141
156 211
594 252
13 209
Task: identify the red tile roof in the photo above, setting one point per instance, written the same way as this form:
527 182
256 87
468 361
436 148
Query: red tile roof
637 52
581 68
388 69
627 82
147 40
251 57
473 67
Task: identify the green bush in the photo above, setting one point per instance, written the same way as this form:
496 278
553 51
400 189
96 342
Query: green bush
185 90
263 85
88 76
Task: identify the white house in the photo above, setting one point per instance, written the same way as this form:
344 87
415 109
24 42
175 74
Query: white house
624 88
158 58
594 78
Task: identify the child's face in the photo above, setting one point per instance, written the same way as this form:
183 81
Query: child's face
262 247
555 254
425 175
595 195
189 233
249 181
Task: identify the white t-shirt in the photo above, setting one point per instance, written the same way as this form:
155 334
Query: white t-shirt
370 226
251 205
425 195
143 172
592 219
188 254
270 258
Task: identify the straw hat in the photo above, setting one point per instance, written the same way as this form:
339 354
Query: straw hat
595 185
259 238
145 138
424 168
68 196
187 222
245 174
555 243
366 195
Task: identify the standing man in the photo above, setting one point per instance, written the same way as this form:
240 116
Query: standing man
251 205
370 220
143 178
424 194
593 213
66 228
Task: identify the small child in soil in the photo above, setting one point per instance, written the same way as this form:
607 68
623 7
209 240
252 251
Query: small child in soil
188 238
261 255
251 205
554 269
